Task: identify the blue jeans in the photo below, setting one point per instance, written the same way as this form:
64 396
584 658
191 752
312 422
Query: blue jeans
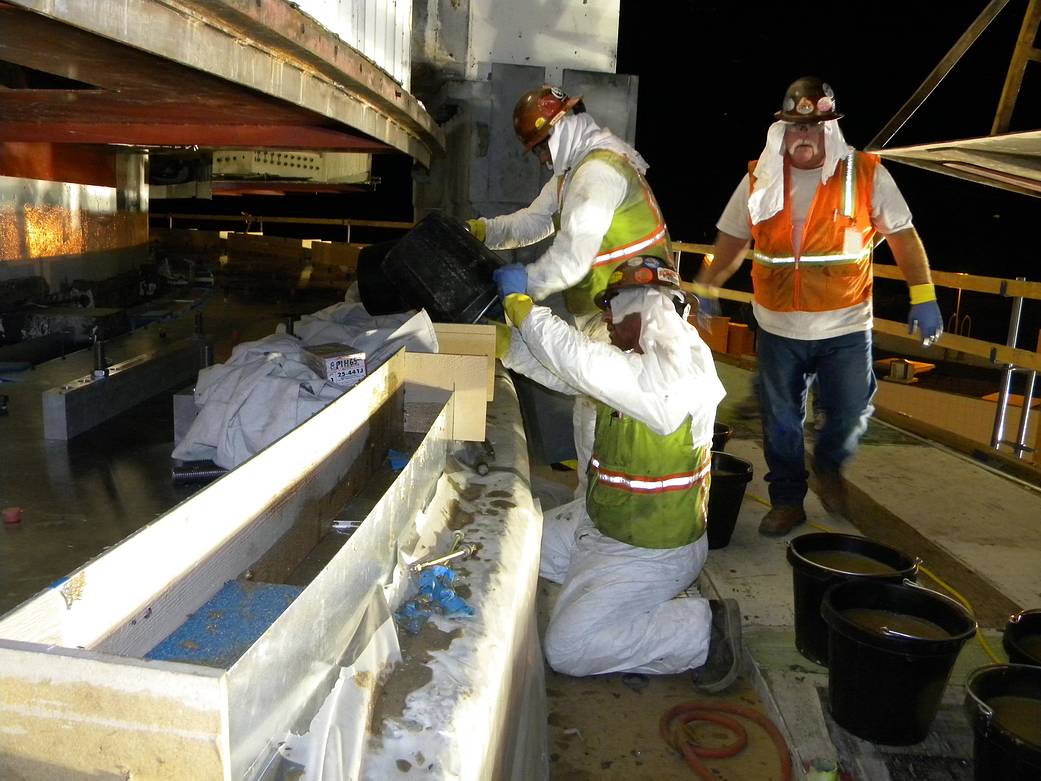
846 385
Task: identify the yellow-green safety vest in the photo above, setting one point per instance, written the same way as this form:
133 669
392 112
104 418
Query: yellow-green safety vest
645 489
637 228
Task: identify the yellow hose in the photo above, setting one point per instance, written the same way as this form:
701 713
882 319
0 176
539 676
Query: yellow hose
933 576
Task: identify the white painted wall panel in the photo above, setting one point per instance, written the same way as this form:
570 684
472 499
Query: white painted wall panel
379 29
576 34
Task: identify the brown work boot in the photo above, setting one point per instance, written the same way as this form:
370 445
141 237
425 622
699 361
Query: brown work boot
781 519
831 487
723 663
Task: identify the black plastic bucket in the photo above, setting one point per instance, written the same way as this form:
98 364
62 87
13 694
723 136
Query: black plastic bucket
721 434
440 267
891 647
730 477
378 294
817 564
1003 750
1022 638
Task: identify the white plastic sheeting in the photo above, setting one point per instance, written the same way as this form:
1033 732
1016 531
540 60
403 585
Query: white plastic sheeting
265 390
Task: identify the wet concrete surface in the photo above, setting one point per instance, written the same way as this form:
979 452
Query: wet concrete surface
84 495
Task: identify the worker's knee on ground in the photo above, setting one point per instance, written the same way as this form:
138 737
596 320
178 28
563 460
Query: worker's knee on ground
565 649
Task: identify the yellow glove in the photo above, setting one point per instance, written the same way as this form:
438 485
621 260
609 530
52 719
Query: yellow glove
502 340
518 307
476 227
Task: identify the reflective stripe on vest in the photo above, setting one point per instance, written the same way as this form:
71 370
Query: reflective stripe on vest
645 484
833 270
633 249
637 228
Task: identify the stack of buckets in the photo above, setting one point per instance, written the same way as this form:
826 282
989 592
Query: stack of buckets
730 477
890 645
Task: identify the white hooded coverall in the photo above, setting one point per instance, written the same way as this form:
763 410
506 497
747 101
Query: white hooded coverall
617 610
591 194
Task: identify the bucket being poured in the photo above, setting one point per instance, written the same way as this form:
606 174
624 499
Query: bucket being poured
438 266
1003 702
821 560
1022 637
730 477
891 647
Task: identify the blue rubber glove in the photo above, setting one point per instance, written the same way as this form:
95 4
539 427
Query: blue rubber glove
926 316
511 279
397 459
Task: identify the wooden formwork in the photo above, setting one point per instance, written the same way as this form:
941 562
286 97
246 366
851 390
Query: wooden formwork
78 698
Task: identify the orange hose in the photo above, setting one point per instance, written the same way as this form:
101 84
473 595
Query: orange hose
676 731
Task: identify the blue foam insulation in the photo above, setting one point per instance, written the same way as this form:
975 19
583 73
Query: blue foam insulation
220 631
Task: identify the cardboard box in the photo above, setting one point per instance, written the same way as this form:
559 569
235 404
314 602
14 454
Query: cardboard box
340 364
741 339
717 334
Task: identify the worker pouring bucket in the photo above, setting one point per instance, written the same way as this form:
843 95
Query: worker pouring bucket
821 560
1003 702
891 647
1022 637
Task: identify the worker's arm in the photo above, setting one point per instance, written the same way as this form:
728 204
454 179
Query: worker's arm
593 194
910 256
612 376
525 226
517 357
727 256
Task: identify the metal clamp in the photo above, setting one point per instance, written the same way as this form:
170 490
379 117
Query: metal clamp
456 551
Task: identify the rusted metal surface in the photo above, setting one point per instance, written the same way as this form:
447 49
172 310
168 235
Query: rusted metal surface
202 73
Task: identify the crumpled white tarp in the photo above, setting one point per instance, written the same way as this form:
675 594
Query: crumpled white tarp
265 389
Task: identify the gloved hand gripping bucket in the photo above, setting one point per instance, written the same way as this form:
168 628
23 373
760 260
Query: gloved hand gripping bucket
891 647
821 560
438 266
730 478
1003 702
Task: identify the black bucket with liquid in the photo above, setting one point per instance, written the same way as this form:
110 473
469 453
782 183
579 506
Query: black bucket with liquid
1003 702
891 647
1022 638
821 560
730 477
438 266
721 434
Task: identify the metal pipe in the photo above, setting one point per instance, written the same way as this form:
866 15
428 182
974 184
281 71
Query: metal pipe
998 433
100 363
193 473
1024 415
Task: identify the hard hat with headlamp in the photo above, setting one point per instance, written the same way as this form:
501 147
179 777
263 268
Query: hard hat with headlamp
538 111
808 100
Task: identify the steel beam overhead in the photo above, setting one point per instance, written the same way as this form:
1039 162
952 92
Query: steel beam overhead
253 64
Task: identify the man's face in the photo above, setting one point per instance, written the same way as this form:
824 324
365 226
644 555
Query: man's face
625 334
541 151
804 144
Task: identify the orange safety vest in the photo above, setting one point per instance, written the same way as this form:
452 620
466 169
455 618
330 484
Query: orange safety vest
833 271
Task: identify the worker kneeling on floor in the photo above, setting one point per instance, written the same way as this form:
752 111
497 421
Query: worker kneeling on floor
626 553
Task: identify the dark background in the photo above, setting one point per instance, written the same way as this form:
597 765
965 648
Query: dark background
713 73
711 76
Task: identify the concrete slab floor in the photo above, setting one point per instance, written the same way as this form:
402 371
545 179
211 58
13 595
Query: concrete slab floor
976 530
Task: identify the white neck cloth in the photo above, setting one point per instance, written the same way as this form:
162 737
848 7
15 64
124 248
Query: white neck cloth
767 196
664 336
576 135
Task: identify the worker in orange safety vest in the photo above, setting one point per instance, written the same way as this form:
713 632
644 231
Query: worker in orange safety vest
811 206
